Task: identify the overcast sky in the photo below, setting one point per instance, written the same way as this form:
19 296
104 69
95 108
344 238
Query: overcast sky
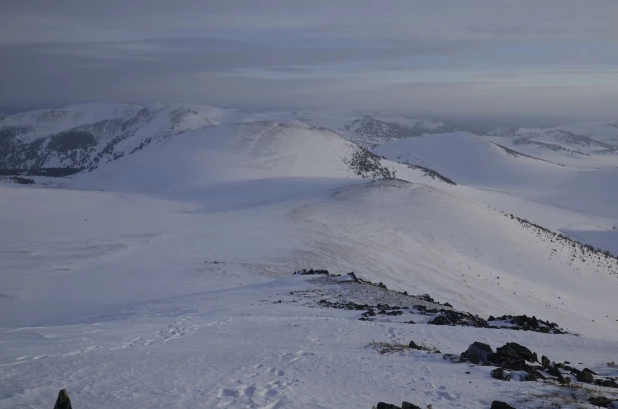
553 58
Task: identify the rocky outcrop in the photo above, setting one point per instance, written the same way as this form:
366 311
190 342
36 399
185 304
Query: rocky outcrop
500 405
63 401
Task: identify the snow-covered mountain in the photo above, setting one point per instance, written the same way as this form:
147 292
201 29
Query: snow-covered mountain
82 136
162 274
577 144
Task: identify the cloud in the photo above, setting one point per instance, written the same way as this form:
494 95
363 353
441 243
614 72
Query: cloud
388 54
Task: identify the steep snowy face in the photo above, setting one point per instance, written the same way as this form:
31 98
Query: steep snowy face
83 136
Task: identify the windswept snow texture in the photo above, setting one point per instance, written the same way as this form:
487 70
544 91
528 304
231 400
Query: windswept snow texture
162 277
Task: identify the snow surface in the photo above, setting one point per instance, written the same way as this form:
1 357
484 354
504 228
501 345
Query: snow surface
155 280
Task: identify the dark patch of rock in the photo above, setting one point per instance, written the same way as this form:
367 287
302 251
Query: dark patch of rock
450 317
63 401
525 323
478 353
585 377
498 373
408 405
545 361
600 401
608 383
500 405
311 272
382 405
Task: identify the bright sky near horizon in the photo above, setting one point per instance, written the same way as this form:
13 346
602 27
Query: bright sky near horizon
451 57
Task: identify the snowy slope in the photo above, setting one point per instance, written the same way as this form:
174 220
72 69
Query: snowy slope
474 161
84 136
128 300
581 144
162 278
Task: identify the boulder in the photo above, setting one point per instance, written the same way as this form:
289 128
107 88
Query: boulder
414 345
500 405
478 352
554 371
382 405
545 361
585 377
408 405
498 373
600 401
515 350
63 401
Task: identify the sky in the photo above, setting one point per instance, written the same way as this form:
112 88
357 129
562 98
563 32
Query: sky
483 58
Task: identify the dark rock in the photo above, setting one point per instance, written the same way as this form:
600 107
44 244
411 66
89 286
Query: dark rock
478 352
414 345
534 375
500 405
353 276
408 405
600 401
382 405
525 323
450 317
513 356
585 377
608 383
545 361
311 272
518 351
370 313
63 401
554 371
498 373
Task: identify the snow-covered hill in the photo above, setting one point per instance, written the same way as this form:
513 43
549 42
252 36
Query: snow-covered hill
162 277
83 136
581 144
475 161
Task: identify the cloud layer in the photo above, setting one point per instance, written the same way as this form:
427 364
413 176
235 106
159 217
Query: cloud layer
478 57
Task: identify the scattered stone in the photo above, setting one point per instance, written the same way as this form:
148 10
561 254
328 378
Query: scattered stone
63 401
600 401
585 377
525 323
513 356
554 371
311 272
498 373
500 405
478 353
382 405
414 345
608 383
450 317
